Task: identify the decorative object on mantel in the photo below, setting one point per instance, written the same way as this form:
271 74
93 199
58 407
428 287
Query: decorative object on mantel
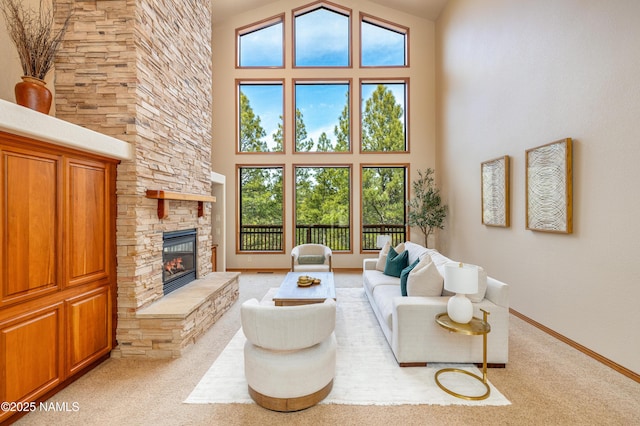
461 279
161 196
549 194
494 175
36 40
425 208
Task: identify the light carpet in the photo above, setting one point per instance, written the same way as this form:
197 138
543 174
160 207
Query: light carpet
366 373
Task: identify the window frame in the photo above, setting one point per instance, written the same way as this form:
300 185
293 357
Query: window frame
239 207
401 80
407 190
319 81
248 81
333 7
348 166
388 25
257 26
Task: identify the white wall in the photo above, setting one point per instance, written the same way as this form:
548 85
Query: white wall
516 74
224 158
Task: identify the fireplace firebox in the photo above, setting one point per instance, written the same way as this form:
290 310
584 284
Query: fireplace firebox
179 254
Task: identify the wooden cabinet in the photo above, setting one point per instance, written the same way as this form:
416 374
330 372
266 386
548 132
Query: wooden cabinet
57 266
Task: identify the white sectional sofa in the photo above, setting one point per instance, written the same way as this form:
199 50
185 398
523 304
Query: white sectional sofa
408 322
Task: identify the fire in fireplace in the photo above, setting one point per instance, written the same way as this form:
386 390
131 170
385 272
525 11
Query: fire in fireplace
178 259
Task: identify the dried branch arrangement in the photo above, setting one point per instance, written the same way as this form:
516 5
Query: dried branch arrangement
35 34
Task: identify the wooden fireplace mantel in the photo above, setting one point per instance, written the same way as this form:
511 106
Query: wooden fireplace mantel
161 196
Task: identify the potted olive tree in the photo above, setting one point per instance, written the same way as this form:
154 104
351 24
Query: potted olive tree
425 208
37 39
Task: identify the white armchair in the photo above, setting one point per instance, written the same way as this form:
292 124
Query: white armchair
311 258
290 353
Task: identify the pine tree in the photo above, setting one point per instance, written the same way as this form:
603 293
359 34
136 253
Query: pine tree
382 127
251 131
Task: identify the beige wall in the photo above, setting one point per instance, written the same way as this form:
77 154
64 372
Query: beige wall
513 75
422 119
10 68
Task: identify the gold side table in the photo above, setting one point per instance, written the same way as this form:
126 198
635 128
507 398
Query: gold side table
474 328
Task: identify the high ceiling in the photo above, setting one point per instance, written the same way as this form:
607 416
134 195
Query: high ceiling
428 9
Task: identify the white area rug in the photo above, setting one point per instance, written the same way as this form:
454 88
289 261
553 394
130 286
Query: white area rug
366 373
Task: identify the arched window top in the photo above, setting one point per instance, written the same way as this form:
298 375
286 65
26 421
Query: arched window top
382 43
261 44
322 36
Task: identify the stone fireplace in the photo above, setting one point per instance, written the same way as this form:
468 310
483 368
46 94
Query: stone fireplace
141 71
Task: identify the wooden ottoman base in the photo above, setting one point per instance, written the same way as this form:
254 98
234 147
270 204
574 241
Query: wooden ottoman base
290 404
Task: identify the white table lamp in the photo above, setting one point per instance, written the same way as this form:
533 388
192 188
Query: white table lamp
381 240
460 279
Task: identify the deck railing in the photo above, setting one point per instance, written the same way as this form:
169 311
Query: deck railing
270 237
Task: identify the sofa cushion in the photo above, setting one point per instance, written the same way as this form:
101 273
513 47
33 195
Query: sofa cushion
384 251
396 262
383 297
372 279
425 280
311 259
404 275
416 251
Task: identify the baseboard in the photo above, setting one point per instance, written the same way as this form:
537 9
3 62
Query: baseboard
606 361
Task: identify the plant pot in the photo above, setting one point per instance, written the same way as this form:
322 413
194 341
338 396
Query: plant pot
32 93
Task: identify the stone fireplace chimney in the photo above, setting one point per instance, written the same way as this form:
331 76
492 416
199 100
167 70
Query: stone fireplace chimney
141 71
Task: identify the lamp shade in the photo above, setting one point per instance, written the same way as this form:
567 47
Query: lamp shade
461 278
381 240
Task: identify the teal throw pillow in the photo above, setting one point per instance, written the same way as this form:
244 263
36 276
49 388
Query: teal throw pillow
404 275
395 263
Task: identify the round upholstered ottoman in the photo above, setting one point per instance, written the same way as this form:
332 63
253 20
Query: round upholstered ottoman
290 353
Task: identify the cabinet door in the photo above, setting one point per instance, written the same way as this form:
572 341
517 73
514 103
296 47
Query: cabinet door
88 225
30 362
30 215
89 328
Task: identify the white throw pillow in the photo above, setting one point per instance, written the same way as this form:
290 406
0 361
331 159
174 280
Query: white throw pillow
384 251
482 287
425 280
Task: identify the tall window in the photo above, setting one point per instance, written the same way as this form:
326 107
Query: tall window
322 116
323 206
383 205
319 85
260 108
383 123
261 208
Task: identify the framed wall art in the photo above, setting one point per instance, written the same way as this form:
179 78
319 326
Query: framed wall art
549 188
494 175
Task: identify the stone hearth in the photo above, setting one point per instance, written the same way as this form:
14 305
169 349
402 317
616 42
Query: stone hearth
166 327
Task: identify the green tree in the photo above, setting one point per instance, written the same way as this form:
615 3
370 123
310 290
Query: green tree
425 208
324 143
261 199
322 198
302 143
342 130
251 131
382 127
278 137
383 194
